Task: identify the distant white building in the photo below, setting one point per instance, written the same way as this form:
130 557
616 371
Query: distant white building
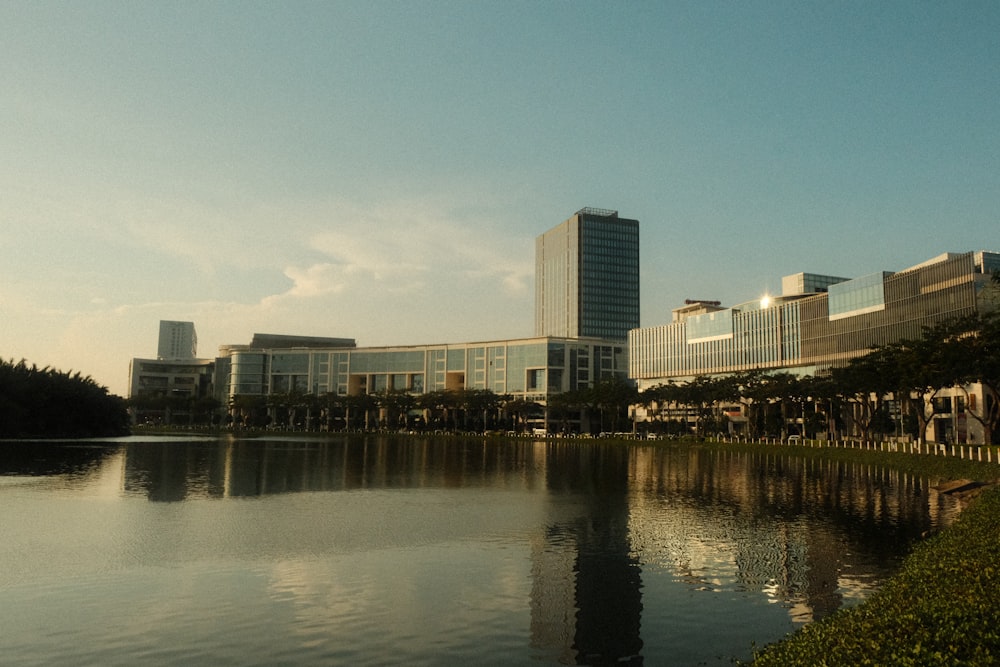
177 340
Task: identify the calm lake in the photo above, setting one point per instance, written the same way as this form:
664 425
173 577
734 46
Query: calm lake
379 550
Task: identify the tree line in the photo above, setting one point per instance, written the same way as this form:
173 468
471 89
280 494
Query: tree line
465 409
47 403
605 405
175 410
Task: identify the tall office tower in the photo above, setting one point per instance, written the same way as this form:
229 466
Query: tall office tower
587 277
177 340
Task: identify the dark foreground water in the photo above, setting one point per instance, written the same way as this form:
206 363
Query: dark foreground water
379 551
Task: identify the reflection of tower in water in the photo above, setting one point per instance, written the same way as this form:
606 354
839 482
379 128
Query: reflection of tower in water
586 600
553 593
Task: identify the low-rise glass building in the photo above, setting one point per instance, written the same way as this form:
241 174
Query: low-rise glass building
526 371
818 323
531 369
810 332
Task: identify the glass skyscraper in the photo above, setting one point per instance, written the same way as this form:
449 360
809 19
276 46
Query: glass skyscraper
587 277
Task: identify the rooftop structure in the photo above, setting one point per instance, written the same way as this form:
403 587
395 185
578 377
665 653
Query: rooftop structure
263 341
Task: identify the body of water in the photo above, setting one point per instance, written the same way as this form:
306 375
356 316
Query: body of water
377 550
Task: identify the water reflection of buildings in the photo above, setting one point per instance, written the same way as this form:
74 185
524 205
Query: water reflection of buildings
585 593
729 521
586 601
714 520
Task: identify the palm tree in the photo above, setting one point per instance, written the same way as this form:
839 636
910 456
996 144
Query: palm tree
397 405
651 399
45 402
822 398
613 396
439 407
972 354
362 404
478 404
918 372
563 407
518 410
330 406
865 383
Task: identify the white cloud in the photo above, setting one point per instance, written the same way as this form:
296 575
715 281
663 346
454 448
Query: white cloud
410 245
393 257
317 280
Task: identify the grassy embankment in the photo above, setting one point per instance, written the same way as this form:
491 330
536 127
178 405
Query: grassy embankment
941 608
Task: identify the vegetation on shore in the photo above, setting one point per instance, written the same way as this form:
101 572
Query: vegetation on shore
47 403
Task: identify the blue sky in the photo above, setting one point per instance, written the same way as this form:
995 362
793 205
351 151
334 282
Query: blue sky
380 170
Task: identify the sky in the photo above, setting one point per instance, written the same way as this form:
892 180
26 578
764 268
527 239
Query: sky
379 170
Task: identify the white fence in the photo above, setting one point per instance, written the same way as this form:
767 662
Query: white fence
989 454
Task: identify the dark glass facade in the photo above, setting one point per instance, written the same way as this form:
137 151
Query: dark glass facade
609 277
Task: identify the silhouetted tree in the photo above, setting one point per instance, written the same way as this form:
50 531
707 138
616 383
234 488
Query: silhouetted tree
47 403
612 398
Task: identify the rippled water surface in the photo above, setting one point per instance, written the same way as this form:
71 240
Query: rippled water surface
381 550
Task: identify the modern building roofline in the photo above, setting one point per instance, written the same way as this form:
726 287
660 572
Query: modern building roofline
601 212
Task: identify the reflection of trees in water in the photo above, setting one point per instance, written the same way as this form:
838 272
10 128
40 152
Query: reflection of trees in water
38 459
173 471
177 470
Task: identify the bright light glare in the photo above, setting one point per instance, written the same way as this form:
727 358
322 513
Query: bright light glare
765 301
